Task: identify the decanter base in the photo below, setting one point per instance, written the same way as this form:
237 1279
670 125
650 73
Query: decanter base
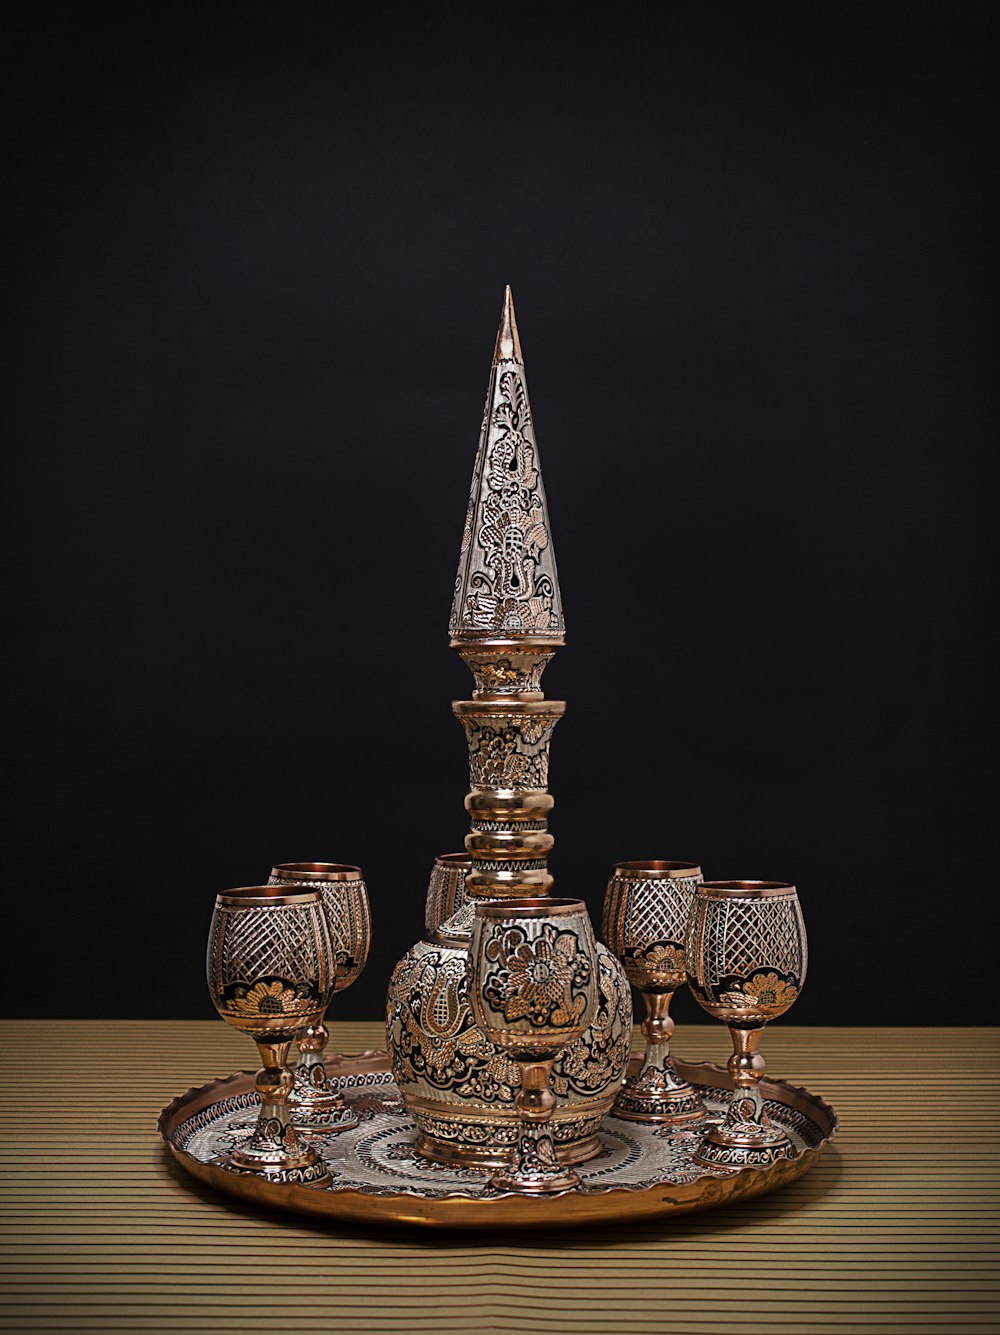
498 1156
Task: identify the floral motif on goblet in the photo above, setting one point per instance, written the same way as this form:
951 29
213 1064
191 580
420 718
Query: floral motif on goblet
746 960
316 1103
646 911
542 977
534 989
271 971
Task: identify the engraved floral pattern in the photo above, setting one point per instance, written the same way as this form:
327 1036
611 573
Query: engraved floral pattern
767 989
507 676
538 979
741 1000
507 589
770 989
662 958
273 997
509 751
481 1076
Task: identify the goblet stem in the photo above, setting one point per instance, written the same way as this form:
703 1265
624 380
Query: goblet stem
745 1137
274 1151
747 1067
656 1093
273 1084
534 1169
315 1102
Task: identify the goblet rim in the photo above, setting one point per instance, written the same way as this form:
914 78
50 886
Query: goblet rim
265 896
540 906
746 889
455 859
659 868
317 871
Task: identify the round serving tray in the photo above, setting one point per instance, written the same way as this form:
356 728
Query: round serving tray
644 1172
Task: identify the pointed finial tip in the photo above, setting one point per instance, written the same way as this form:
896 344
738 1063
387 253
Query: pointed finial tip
508 348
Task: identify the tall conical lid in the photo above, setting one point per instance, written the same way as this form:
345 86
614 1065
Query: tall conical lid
507 585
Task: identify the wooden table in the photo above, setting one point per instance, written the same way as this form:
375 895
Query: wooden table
895 1228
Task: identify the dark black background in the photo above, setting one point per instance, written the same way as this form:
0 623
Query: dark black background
259 262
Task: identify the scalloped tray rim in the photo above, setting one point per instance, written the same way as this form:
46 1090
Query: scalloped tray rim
459 1210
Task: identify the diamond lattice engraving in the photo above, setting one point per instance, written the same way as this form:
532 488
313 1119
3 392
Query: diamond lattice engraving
770 938
279 941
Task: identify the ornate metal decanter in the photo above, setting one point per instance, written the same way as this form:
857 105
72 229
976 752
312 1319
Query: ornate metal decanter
506 623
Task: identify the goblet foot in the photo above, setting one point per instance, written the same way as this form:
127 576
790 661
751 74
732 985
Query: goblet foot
717 1152
534 1169
745 1138
274 1152
315 1104
656 1093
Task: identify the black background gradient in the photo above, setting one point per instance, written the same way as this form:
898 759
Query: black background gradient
258 266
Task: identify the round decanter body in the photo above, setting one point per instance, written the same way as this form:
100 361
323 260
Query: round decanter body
460 1089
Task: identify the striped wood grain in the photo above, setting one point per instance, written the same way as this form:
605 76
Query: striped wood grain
895 1229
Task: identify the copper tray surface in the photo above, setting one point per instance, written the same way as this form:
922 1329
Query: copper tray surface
644 1173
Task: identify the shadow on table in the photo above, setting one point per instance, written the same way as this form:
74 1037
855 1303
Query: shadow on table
775 1205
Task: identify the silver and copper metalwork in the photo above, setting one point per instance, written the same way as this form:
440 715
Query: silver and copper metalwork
446 891
508 1027
271 970
315 1103
646 912
746 958
533 990
382 1178
506 624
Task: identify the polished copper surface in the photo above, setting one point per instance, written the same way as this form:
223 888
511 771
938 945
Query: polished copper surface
250 896
313 872
653 869
747 889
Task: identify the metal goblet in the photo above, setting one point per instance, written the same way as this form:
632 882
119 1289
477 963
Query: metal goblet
446 891
534 989
271 970
316 1104
646 912
746 957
